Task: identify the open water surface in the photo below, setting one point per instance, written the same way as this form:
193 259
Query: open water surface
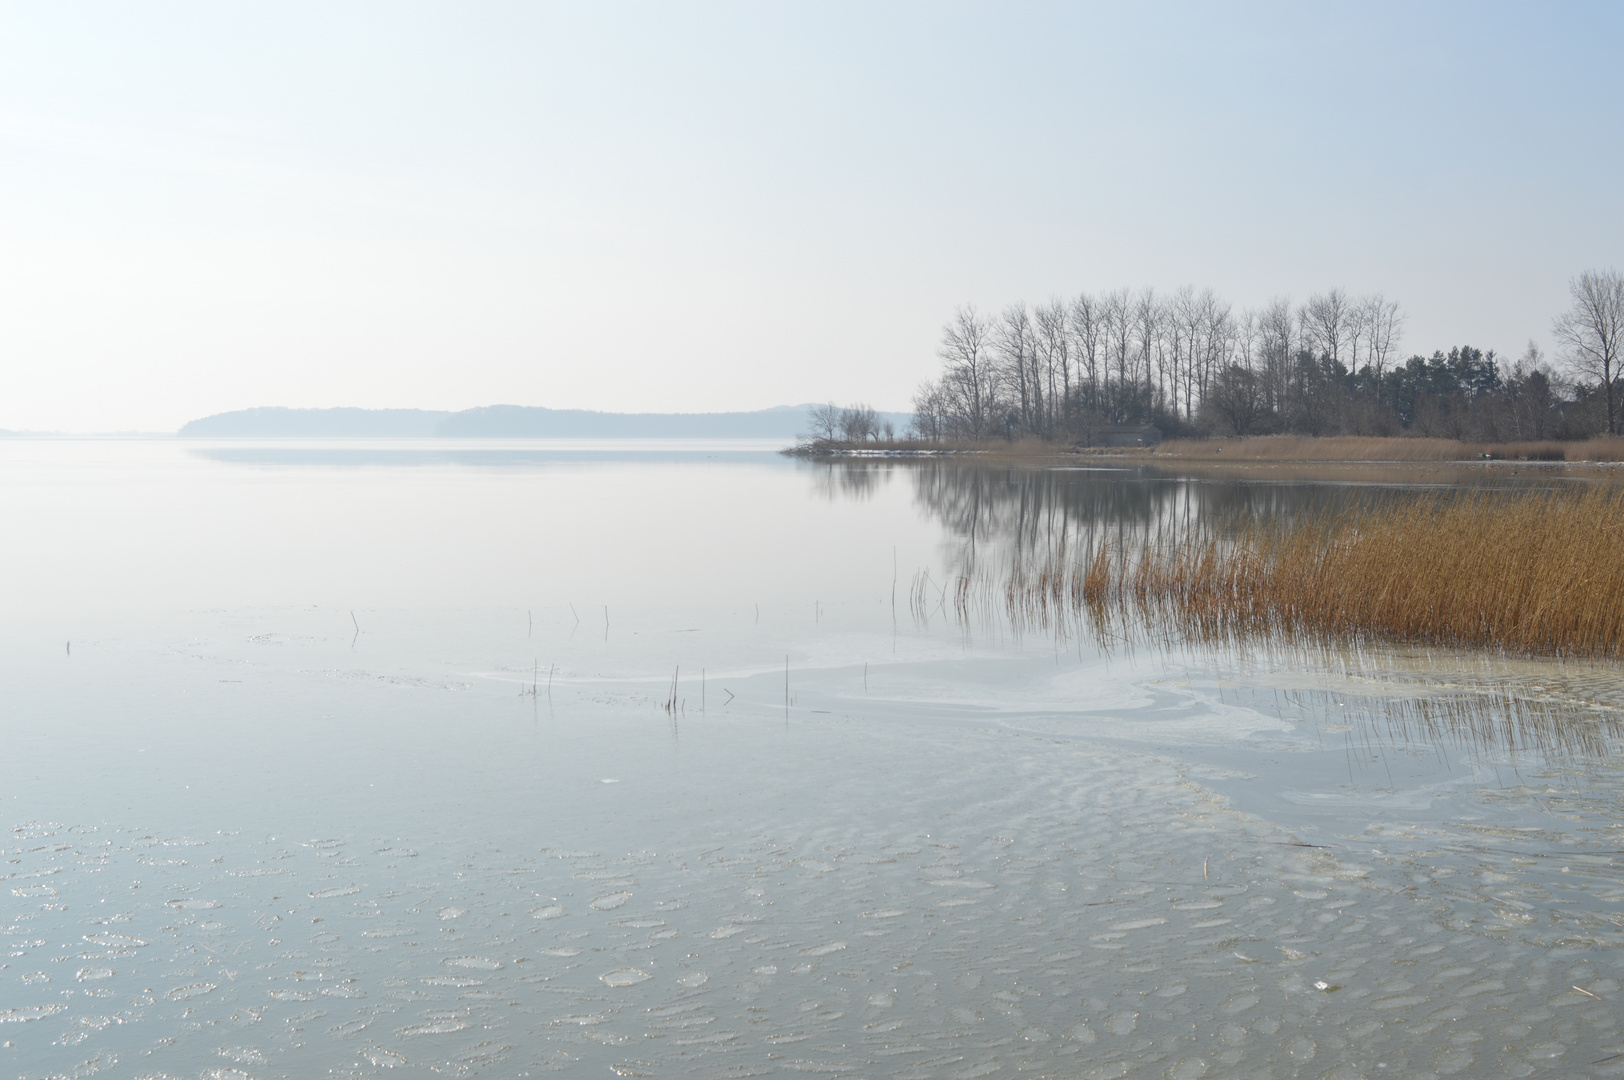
651 759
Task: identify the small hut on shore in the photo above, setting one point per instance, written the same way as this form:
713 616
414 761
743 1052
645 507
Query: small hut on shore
1128 435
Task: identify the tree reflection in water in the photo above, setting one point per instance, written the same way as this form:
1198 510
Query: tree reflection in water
859 480
1015 538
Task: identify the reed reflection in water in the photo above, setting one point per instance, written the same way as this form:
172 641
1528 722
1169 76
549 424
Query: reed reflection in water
1562 711
1506 582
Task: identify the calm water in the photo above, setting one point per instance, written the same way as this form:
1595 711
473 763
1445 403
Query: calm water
643 759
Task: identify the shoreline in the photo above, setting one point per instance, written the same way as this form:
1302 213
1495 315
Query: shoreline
1603 453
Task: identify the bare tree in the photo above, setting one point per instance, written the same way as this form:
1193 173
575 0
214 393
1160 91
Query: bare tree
1118 312
1148 325
1248 336
1057 368
1236 403
1358 317
1528 390
1277 344
1054 353
1088 345
1017 355
967 352
931 411
859 423
1324 323
823 422
1179 334
1218 338
1591 333
1197 327
1383 326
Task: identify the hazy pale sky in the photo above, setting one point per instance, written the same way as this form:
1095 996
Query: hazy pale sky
690 207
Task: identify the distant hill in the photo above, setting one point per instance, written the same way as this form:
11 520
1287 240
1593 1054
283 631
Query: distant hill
506 422
317 423
520 421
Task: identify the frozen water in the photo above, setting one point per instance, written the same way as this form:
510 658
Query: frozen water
245 839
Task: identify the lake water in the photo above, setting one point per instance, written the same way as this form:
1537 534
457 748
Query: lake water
656 759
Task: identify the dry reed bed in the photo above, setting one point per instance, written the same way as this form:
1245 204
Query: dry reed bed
1527 573
1372 448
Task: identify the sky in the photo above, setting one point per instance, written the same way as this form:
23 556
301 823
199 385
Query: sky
699 207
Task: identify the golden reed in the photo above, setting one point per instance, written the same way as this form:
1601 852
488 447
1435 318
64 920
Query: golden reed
1356 448
1526 573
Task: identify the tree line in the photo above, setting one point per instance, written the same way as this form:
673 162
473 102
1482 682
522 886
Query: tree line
1191 364
852 424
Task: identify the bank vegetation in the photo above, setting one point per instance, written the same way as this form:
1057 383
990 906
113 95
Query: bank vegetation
1522 572
1073 370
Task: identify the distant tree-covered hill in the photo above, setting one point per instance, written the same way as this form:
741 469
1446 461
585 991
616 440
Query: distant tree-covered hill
317 423
521 421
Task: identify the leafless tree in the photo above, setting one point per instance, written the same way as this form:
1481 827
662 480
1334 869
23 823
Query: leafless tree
1118 312
1179 318
823 422
931 411
1247 329
1199 335
1277 344
1236 401
1054 354
1383 327
1088 344
859 423
966 350
1147 331
1217 339
1591 333
1358 315
1324 323
1131 356
1529 396
1017 354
